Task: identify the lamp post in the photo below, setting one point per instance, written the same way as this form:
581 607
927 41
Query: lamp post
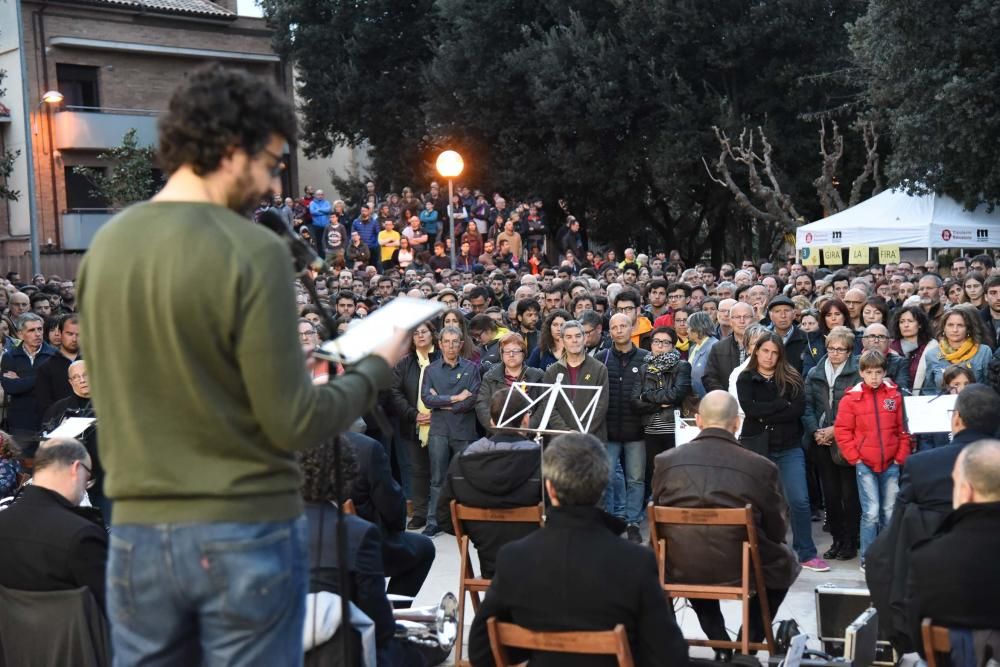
450 165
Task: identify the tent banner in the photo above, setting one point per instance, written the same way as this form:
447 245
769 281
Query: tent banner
888 254
858 255
810 257
832 256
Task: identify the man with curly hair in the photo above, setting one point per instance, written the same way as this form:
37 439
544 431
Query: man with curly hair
203 395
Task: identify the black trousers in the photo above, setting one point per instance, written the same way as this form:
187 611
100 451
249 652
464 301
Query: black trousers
407 558
714 625
840 491
656 443
420 475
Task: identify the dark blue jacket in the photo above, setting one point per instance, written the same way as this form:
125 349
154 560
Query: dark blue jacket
624 423
23 413
367 230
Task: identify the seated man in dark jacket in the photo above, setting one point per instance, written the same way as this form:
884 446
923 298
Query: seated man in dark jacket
499 472
577 574
923 502
714 471
364 558
953 580
49 542
406 557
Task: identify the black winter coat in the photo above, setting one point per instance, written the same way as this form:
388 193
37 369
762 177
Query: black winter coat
51 545
624 423
795 348
493 381
404 392
23 414
722 361
767 409
657 388
952 579
923 502
500 474
546 582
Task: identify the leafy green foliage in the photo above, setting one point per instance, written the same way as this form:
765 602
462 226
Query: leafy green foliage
932 72
608 104
130 177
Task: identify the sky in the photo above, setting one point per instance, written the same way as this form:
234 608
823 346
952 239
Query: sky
248 8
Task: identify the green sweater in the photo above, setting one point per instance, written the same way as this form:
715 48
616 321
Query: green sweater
198 378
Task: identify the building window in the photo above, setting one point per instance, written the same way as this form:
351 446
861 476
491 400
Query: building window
79 85
79 192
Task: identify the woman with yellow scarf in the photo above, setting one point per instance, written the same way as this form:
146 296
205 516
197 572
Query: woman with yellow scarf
959 342
683 344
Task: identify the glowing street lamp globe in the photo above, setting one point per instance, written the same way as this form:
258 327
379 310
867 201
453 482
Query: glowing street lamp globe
450 164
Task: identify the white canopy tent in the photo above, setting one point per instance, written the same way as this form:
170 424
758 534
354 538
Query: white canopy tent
895 218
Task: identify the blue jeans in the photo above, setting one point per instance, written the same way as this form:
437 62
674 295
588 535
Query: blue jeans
792 471
635 473
440 449
877 491
208 593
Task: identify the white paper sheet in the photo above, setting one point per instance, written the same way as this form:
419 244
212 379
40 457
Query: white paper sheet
365 335
71 427
684 429
929 414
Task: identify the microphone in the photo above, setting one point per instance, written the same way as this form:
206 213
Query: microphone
304 253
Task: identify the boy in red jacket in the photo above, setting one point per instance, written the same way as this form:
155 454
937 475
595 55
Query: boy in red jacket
871 436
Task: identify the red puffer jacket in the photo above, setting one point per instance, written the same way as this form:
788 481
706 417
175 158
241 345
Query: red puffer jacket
869 426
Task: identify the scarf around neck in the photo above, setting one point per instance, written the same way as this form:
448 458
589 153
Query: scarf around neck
663 363
964 352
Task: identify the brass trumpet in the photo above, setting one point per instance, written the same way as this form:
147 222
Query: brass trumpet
433 626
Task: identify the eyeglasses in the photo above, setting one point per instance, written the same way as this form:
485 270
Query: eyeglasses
513 353
674 297
838 349
90 476
307 334
587 332
625 309
878 338
278 167
662 341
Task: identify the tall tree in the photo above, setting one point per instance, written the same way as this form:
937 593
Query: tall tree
932 71
358 74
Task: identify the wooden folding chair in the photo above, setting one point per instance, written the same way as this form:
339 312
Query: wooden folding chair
468 582
606 642
688 516
936 641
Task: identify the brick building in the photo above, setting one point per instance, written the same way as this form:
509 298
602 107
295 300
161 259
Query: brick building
115 62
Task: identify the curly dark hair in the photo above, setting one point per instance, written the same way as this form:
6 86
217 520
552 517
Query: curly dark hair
217 109
317 471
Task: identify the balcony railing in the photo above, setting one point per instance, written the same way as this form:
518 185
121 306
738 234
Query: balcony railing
101 128
80 225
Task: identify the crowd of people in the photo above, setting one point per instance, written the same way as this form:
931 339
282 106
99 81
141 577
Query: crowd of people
796 379
819 362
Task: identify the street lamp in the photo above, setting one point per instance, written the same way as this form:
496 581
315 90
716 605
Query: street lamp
450 165
52 97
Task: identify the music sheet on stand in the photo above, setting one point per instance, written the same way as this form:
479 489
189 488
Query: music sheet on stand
72 427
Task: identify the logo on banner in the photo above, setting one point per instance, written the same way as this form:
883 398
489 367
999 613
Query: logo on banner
946 234
809 237
837 236
982 235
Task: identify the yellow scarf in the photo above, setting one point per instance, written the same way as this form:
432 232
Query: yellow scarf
965 351
682 345
424 430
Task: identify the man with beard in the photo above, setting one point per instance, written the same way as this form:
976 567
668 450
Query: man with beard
203 394
51 383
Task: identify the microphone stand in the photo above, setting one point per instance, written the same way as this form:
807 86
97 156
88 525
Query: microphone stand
343 576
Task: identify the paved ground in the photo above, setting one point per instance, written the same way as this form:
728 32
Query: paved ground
800 603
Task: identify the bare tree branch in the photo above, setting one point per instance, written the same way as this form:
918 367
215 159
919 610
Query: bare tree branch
871 163
826 182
